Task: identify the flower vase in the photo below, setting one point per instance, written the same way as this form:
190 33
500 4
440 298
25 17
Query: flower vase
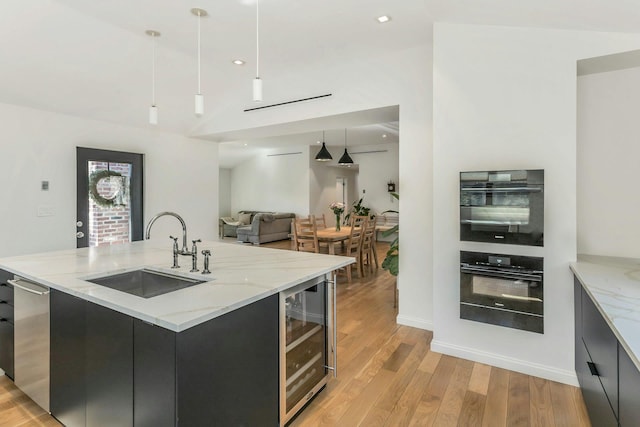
337 222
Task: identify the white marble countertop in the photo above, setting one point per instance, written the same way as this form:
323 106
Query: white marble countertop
240 275
614 286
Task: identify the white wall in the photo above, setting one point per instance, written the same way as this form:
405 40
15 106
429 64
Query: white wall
401 78
277 183
375 170
322 184
224 192
38 146
505 98
608 157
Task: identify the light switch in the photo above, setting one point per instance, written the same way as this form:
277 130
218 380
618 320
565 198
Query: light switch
44 185
46 210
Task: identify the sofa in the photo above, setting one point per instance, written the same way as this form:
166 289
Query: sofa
228 225
266 227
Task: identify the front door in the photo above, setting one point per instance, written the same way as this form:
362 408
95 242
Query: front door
109 197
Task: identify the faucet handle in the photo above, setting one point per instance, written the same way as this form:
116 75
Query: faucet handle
196 241
207 254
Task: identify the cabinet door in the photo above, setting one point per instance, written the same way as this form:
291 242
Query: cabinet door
109 367
629 391
580 354
228 368
154 370
67 369
602 347
595 399
6 347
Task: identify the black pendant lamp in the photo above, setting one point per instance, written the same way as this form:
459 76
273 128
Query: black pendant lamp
346 158
323 155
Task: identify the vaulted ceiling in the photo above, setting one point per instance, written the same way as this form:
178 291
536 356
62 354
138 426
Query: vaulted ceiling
91 58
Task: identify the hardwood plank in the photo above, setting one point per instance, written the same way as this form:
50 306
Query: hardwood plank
472 409
479 381
518 411
541 407
398 357
454 396
568 406
495 410
430 362
427 409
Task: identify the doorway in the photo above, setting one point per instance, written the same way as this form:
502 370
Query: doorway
108 197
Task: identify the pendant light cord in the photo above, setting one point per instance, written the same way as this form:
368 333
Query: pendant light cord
257 39
199 17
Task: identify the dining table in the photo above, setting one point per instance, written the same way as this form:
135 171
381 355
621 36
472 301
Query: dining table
332 236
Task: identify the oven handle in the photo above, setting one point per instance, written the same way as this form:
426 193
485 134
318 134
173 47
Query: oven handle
505 275
502 189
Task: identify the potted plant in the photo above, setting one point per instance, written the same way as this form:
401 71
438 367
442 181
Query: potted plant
357 209
390 262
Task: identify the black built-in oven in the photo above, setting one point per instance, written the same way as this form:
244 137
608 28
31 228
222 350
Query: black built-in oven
502 207
505 290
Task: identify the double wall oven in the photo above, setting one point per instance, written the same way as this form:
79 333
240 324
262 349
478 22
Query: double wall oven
503 290
502 207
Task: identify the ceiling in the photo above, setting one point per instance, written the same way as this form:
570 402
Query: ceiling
91 58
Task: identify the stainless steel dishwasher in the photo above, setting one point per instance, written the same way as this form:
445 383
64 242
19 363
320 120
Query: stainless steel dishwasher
31 339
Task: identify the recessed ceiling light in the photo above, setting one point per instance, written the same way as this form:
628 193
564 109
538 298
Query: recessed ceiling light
238 61
245 144
382 19
317 142
384 135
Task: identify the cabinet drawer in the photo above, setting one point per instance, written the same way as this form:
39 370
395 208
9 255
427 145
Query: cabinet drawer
6 293
6 311
602 348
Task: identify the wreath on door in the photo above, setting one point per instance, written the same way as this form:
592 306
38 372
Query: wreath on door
98 199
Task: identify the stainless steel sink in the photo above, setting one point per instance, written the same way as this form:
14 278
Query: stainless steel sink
145 283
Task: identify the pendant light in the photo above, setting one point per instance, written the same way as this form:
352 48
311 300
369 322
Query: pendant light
346 158
257 82
153 110
323 155
199 99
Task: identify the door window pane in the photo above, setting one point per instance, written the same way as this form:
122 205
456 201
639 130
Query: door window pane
110 211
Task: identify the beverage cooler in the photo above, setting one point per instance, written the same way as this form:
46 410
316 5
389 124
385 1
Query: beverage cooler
307 343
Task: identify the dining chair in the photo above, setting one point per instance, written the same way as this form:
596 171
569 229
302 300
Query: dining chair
352 249
305 234
369 254
357 221
321 222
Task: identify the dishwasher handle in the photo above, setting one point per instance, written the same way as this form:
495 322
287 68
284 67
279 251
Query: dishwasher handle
27 286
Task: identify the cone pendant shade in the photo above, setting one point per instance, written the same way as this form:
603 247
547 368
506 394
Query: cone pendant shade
323 155
345 159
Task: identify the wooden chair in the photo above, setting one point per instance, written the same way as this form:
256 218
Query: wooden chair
305 235
353 249
369 254
321 222
358 221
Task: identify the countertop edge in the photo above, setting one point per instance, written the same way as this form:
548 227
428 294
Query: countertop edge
575 268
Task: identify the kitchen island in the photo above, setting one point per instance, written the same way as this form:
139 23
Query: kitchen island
207 354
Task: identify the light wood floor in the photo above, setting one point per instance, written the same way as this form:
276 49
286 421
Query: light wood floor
389 377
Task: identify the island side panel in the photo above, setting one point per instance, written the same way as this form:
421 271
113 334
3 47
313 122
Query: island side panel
228 368
154 370
68 344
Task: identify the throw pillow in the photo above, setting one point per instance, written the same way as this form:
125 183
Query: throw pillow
244 219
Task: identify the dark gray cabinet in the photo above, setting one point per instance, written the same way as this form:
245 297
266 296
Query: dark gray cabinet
629 413
110 369
609 380
91 363
6 324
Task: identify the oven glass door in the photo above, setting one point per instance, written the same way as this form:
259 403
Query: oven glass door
512 293
502 207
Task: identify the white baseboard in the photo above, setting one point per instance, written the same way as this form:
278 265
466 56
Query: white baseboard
500 361
414 322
